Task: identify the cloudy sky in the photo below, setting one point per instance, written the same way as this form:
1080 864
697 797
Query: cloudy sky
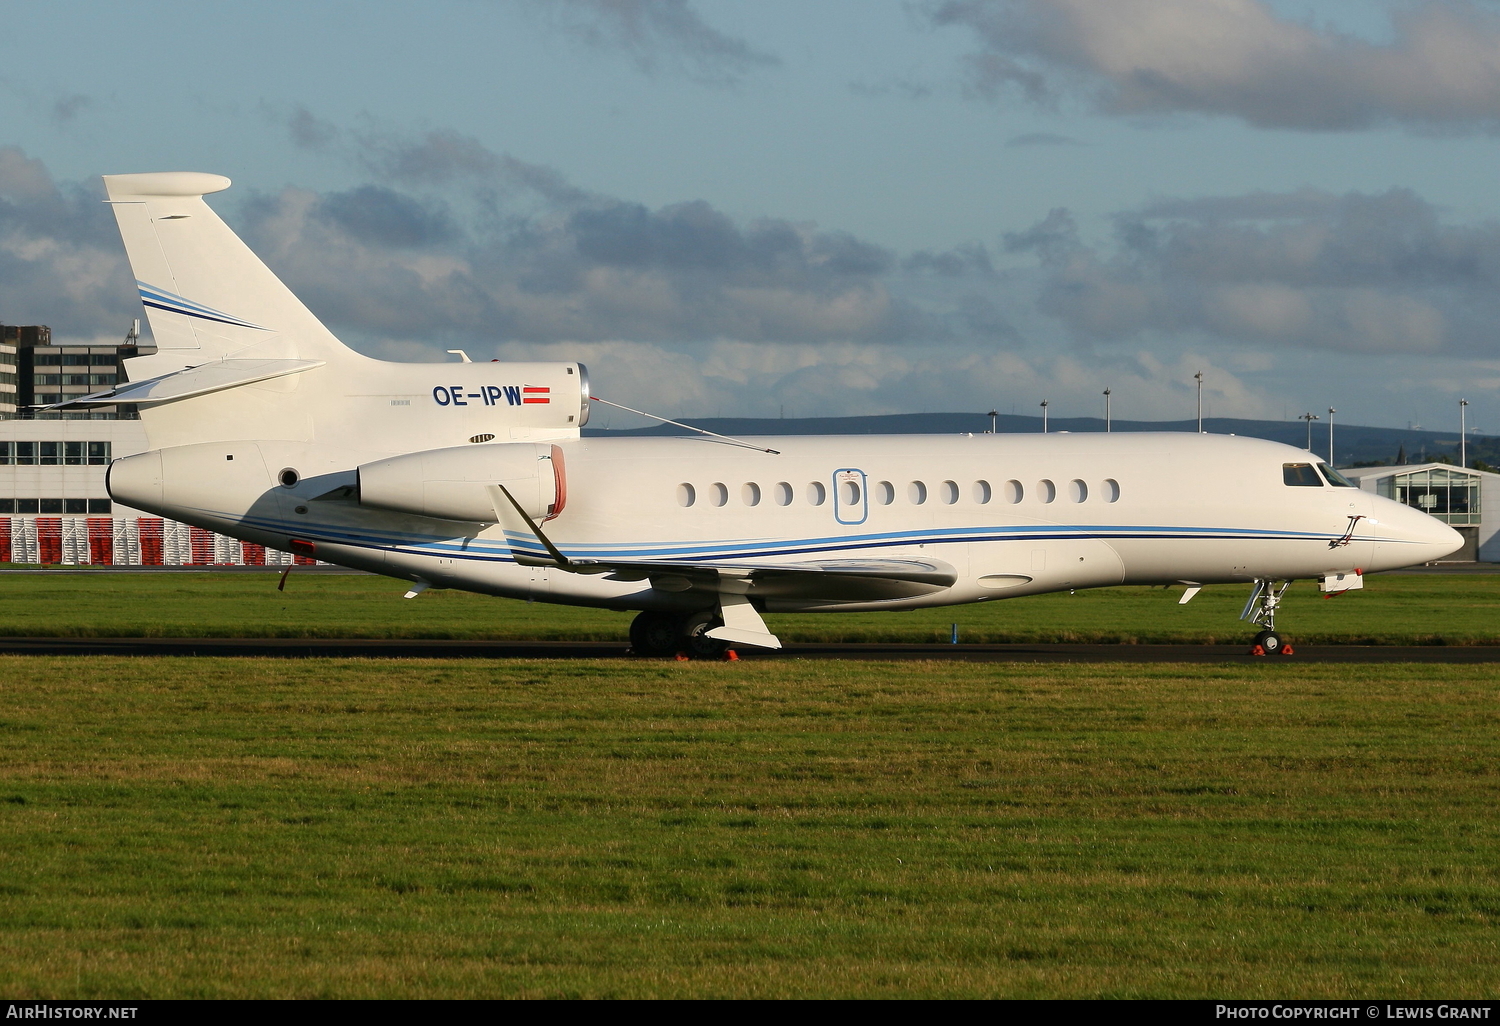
833 208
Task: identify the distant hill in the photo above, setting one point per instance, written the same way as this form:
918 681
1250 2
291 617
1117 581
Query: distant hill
1356 444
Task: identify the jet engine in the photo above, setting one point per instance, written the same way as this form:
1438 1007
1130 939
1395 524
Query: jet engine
454 484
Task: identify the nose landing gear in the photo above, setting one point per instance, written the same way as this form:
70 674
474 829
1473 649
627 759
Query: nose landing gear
1260 610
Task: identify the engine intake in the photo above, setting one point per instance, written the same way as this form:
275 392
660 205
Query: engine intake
453 484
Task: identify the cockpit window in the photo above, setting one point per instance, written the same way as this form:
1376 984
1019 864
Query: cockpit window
1301 475
1334 477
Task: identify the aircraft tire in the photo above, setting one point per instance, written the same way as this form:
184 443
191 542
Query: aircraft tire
695 640
655 634
1270 642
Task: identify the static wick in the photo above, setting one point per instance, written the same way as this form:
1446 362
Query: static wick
678 423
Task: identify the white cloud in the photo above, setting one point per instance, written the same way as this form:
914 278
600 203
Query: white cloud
1239 59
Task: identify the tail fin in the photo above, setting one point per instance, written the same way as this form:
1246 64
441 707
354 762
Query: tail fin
207 296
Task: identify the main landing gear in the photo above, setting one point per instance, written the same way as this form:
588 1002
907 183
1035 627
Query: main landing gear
666 634
1261 611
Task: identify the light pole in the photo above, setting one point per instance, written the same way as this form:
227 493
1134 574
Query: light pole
1331 412
1309 417
1199 378
993 415
1463 432
1107 393
1044 416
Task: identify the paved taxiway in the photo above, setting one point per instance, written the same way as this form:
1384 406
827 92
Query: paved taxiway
300 648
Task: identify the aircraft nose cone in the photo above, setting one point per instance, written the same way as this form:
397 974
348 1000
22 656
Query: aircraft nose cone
135 481
1408 537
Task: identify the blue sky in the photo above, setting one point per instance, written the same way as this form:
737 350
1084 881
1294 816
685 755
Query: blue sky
731 207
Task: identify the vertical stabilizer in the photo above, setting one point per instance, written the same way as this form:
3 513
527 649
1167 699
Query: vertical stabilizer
207 296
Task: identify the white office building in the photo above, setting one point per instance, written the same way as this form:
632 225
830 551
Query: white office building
1466 500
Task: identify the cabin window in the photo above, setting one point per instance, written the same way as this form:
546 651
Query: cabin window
1300 475
1078 491
885 493
1014 492
916 493
849 493
981 492
949 492
816 494
1111 490
750 494
686 494
783 494
1046 490
1334 477
718 494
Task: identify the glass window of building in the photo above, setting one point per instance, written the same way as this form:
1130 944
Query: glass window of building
1450 495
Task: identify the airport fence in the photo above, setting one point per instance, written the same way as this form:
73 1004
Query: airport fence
130 541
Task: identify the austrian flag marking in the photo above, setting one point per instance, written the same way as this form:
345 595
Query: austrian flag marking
535 394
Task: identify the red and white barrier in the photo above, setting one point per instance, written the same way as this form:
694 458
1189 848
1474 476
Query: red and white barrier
129 541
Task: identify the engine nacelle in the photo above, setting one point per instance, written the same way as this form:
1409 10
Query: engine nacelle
453 484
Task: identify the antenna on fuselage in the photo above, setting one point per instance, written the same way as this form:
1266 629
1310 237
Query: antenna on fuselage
678 423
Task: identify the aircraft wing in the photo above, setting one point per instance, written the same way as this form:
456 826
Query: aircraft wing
832 580
848 580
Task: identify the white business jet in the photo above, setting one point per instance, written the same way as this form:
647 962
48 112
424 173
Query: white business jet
265 427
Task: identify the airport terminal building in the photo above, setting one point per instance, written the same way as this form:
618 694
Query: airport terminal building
1459 497
53 504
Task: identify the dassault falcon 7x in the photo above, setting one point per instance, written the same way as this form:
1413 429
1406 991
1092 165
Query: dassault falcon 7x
265 427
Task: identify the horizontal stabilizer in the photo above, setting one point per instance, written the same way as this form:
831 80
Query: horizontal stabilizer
184 384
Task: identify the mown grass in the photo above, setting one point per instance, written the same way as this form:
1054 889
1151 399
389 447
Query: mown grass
193 827
1392 609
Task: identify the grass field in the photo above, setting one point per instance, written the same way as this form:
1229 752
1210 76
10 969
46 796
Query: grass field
1392 609
191 827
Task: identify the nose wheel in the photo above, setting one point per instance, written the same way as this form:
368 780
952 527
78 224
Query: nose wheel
1270 643
1265 598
